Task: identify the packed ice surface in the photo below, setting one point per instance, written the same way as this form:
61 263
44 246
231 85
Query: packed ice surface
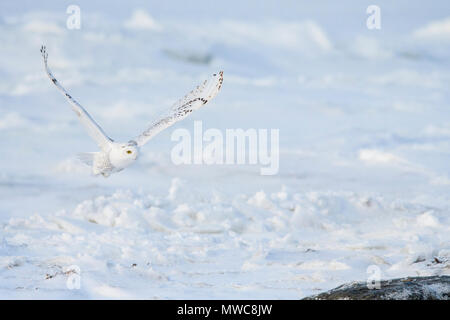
364 121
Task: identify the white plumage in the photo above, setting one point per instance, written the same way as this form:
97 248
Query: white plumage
114 156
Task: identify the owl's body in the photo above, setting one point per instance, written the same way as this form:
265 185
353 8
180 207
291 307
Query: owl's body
113 156
101 164
115 159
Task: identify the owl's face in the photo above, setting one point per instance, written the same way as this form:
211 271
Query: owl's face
129 151
123 154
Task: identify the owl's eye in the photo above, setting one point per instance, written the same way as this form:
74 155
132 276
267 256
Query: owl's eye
129 151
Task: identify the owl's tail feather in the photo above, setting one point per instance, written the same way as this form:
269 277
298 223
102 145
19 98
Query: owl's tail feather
87 157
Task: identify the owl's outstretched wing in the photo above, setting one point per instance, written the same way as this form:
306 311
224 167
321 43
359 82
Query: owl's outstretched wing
182 108
86 120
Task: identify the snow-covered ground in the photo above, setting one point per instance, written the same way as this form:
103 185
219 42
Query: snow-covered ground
364 119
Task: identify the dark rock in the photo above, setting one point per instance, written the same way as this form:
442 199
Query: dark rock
414 288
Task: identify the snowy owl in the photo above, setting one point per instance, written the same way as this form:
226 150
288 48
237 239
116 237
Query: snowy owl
115 156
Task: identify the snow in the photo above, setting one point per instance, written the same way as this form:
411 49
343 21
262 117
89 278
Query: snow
364 148
142 20
439 30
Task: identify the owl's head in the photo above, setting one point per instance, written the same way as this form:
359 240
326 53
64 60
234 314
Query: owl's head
123 154
129 150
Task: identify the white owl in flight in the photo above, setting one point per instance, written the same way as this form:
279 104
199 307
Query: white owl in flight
115 156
